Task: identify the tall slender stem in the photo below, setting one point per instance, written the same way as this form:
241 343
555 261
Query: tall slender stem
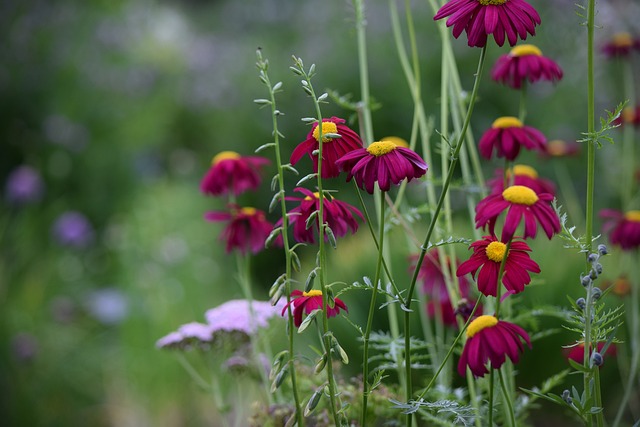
363 66
507 398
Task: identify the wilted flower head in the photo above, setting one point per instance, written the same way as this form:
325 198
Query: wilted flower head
623 228
72 229
510 19
23 186
521 175
340 216
232 173
491 340
521 203
247 228
383 162
507 135
332 147
306 302
620 45
525 62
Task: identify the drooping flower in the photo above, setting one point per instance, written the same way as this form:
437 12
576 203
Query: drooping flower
247 228
507 135
24 185
306 302
383 162
232 173
332 148
621 45
491 340
521 175
560 148
525 62
623 228
439 304
340 216
576 351
73 229
510 19
521 203
487 257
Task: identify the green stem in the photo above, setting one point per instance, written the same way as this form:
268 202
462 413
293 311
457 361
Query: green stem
500 274
628 142
434 218
507 399
491 398
522 110
364 72
372 308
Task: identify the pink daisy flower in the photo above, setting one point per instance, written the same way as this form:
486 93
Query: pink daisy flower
623 228
522 175
340 216
507 135
521 203
332 148
247 228
232 173
487 257
383 162
621 45
306 302
525 62
512 19
491 340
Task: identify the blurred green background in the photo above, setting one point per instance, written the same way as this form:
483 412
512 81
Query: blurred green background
119 106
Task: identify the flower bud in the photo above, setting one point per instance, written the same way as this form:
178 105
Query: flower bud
566 396
596 294
592 258
596 359
585 280
593 274
602 249
598 268
580 302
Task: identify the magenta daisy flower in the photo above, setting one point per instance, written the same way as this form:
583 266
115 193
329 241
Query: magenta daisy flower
307 302
621 45
383 162
525 62
487 257
232 173
623 228
521 203
439 304
491 340
522 175
332 148
340 216
247 228
510 19
507 135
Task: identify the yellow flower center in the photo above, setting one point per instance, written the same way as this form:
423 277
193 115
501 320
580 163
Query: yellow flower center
316 195
632 216
248 211
495 251
525 49
556 147
312 293
622 40
224 155
525 170
520 195
506 122
628 114
327 127
396 140
480 323
380 148
493 2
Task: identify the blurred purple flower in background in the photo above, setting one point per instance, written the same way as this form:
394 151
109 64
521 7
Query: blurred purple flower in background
24 346
72 229
109 306
23 186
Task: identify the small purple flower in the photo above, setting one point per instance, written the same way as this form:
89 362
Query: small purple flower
109 306
73 229
24 186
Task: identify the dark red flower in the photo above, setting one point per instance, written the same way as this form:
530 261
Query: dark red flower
522 175
306 302
383 162
487 257
332 148
623 228
232 173
620 45
491 340
510 19
576 352
521 203
507 135
247 228
340 216
525 62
